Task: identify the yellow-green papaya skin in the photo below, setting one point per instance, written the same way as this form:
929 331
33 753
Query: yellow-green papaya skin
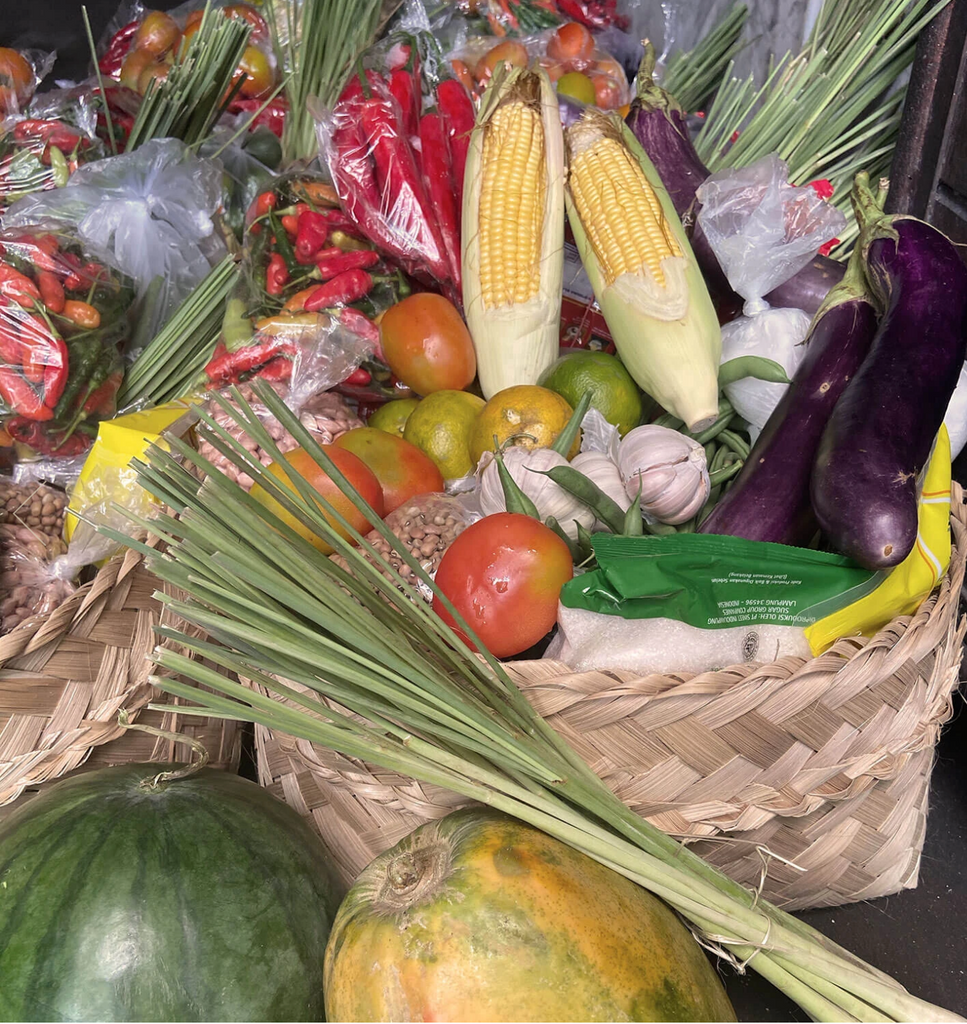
478 917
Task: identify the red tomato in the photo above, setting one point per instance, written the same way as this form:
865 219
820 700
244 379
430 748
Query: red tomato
427 344
356 472
504 575
16 80
259 72
571 42
157 34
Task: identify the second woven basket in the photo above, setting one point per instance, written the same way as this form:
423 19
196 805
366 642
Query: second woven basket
805 779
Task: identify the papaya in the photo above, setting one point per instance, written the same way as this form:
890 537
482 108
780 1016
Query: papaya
481 917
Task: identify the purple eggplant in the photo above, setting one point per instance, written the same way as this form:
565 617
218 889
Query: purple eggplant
864 483
658 123
770 497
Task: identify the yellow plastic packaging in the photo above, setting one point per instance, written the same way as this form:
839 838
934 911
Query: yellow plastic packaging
905 587
107 478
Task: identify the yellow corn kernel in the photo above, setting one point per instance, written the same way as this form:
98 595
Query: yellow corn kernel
620 211
512 202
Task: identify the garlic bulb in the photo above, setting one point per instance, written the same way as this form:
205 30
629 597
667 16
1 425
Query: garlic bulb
670 469
600 470
550 499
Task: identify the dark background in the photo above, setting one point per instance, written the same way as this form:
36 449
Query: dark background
918 936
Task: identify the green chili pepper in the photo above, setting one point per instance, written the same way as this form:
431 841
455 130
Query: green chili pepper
563 442
633 524
514 498
552 524
236 326
283 245
751 366
58 165
588 493
82 358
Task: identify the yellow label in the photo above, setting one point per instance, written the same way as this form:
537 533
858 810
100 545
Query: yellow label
904 589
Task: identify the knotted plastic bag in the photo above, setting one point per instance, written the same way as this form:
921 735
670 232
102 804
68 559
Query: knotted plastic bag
148 214
763 231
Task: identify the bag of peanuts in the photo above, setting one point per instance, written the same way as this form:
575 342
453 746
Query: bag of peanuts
326 416
427 525
31 581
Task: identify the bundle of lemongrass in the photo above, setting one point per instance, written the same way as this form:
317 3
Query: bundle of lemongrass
693 77
277 609
832 109
169 365
319 41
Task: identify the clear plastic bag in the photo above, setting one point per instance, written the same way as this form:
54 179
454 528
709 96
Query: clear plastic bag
31 583
427 525
326 417
148 214
303 313
763 231
367 143
21 71
62 322
40 151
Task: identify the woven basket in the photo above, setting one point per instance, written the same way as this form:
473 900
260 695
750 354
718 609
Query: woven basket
807 778
65 676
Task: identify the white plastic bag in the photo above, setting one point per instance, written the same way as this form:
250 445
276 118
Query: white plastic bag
763 231
956 417
147 214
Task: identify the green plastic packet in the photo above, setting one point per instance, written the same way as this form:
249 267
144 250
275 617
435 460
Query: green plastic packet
716 582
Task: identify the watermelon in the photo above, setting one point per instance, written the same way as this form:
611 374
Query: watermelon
481 917
201 898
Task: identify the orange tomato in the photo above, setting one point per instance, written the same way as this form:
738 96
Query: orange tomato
571 42
427 345
159 72
607 93
509 52
609 66
157 34
258 70
403 471
356 472
135 63
504 575
248 13
16 80
624 110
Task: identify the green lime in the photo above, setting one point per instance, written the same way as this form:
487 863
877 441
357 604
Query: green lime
392 416
577 86
613 392
440 426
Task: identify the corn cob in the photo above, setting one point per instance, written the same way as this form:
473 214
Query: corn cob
641 267
513 230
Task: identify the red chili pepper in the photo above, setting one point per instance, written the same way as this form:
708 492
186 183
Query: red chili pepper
34 128
11 345
827 247
290 222
21 397
271 117
110 63
277 274
440 188
17 286
51 291
457 109
38 347
360 324
313 230
279 368
260 207
233 363
401 188
823 188
353 92
336 261
55 373
35 436
359 378
403 88
345 288
102 401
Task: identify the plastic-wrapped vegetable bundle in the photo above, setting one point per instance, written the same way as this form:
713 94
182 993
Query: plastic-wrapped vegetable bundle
21 71
310 290
763 231
41 150
62 320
